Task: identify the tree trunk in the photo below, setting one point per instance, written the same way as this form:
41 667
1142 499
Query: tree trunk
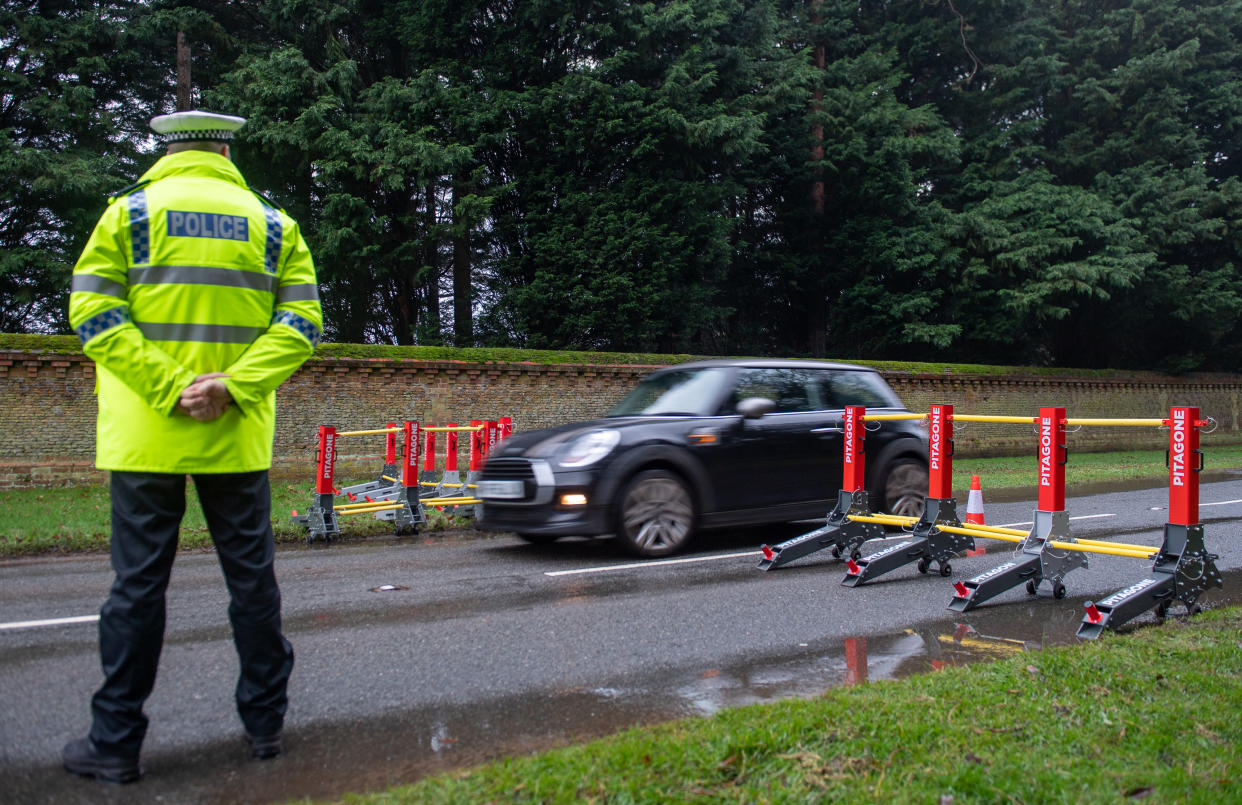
183 74
463 297
429 329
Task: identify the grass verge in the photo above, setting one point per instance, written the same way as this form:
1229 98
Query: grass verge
75 519
1151 715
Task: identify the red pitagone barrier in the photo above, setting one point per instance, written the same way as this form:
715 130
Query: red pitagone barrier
1184 570
390 498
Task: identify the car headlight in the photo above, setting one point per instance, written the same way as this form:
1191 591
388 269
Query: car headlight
588 448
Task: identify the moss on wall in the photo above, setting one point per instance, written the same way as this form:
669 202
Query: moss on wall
47 404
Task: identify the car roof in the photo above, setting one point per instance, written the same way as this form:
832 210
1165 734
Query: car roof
770 363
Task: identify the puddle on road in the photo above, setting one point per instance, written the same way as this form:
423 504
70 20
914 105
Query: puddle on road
375 754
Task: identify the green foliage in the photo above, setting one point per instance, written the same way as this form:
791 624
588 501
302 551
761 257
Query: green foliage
1002 182
68 69
75 519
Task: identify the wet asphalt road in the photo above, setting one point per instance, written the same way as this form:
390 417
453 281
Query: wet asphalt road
480 651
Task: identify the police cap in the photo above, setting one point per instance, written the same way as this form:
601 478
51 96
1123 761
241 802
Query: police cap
196 125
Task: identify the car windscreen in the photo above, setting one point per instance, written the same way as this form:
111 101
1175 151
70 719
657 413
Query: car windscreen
692 392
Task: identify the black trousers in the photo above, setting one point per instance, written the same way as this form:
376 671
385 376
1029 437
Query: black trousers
146 516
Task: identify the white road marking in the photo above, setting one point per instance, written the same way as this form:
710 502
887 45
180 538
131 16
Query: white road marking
51 622
664 562
1079 517
653 563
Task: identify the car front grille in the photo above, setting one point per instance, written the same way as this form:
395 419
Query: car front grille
534 475
508 469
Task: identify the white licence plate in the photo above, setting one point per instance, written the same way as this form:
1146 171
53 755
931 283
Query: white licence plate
501 490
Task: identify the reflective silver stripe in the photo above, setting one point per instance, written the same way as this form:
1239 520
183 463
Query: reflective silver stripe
208 333
202 275
306 292
92 283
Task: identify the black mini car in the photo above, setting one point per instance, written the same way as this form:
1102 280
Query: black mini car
704 445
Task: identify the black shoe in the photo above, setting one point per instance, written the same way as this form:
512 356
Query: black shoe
264 747
82 757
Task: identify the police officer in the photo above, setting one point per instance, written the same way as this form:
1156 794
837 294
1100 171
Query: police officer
195 298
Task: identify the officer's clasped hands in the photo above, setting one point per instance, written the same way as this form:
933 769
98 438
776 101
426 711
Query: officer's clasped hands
206 398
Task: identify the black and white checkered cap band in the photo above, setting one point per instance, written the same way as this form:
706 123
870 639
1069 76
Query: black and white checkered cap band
205 134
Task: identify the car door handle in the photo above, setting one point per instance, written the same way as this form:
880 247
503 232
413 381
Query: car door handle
829 429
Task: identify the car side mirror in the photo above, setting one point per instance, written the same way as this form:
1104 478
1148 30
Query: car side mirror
755 407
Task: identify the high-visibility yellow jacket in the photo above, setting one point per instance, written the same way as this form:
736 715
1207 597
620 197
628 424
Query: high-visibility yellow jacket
190 273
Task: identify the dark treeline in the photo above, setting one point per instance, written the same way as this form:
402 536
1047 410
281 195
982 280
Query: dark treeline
1000 181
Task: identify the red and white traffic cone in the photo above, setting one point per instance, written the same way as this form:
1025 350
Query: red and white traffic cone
974 510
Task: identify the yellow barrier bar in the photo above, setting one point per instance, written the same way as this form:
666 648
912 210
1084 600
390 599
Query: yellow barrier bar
1126 545
433 483
884 519
454 430
1013 532
1011 420
369 511
986 534
367 432
350 507
386 478
1073 546
892 417
1085 546
1139 423
893 519
449 501
1019 420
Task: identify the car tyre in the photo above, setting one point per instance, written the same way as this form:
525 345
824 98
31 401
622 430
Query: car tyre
905 488
655 514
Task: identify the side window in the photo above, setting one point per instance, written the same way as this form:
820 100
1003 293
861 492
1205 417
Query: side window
861 388
791 389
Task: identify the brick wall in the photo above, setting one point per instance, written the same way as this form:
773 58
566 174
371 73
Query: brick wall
47 406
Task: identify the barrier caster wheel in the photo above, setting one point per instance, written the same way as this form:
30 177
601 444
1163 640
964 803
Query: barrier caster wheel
923 563
946 569
1162 611
1031 586
1058 590
836 551
1194 610
856 555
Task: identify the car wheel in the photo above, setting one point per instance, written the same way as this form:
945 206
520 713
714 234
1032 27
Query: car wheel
655 514
538 539
905 488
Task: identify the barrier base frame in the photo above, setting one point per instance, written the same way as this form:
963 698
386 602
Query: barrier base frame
320 520
926 544
1183 571
409 516
1035 560
842 535
378 488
